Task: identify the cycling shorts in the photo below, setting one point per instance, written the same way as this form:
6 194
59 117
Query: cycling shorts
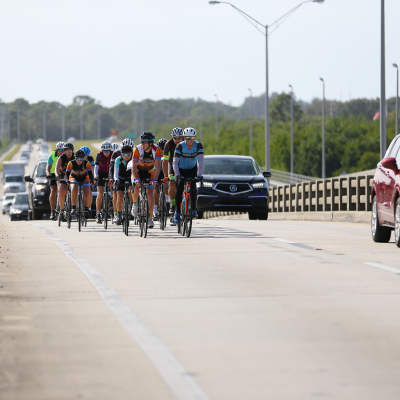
103 177
85 181
121 184
53 181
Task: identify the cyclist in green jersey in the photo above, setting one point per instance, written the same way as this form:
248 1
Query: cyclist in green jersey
51 176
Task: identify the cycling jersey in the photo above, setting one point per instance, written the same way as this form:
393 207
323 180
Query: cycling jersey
146 160
121 170
52 160
77 171
91 160
169 150
115 155
102 163
64 162
187 159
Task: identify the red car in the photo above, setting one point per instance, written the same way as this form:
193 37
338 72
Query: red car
385 196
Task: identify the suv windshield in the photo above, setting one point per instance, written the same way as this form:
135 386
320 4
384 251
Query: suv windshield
20 199
14 179
41 170
225 166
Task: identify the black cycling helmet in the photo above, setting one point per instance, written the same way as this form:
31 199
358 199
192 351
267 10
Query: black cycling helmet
126 149
80 153
177 132
68 145
150 137
161 143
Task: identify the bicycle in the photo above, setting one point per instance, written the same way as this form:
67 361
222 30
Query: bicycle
105 210
143 209
67 207
185 223
80 208
162 205
126 209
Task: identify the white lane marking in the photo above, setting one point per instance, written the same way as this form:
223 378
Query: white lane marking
283 240
384 267
170 369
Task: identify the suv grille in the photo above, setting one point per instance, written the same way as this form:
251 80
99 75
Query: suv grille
230 187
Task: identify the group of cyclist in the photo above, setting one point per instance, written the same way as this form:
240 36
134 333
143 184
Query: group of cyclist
124 166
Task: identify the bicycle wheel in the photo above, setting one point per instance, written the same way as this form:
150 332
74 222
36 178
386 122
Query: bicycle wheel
139 217
183 216
105 206
67 210
79 210
162 209
145 215
188 216
126 217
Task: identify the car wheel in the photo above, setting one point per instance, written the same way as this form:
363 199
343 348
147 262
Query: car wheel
200 214
36 214
397 223
380 234
253 215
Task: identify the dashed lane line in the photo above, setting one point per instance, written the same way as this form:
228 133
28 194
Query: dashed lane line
384 267
179 381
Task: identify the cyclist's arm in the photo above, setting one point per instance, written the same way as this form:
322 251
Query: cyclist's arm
97 166
116 171
157 163
58 166
89 171
134 170
165 160
49 164
200 158
68 171
177 158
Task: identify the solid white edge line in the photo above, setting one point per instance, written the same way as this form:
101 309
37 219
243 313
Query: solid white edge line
283 240
170 369
384 267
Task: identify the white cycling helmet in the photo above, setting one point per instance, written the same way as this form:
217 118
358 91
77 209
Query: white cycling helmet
60 146
177 132
106 145
127 142
114 147
189 132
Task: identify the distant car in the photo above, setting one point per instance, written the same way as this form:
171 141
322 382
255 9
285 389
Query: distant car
19 207
14 184
38 191
7 200
71 140
24 159
233 183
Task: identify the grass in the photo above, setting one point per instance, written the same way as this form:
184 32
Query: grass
8 158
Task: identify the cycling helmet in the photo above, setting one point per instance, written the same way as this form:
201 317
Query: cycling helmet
79 153
150 137
106 145
126 149
177 132
161 143
60 145
68 146
86 150
189 132
114 147
127 142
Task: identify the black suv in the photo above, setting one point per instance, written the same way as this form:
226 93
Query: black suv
233 183
38 191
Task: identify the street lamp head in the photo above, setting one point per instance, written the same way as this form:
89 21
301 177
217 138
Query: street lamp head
213 2
290 86
318 1
321 79
395 65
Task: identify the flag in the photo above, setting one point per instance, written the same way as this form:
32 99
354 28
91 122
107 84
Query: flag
376 116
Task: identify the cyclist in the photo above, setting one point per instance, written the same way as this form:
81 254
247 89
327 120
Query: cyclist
51 176
146 162
101 169
122 175
169 151
160 144
61 167
79 170
89 158
115 155
187 155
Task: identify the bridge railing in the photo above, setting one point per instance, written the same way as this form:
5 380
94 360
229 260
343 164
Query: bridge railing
286 177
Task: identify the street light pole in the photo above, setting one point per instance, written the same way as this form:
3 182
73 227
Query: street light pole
397 100
267 127
18 127
291 136
323 129
29 125
383 90
81 122
216 117
63 123
251 123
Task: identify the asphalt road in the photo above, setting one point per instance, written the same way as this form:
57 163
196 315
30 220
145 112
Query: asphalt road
240 310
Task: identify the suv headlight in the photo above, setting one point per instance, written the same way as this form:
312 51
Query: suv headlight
258 185
207 184
16 211
40 187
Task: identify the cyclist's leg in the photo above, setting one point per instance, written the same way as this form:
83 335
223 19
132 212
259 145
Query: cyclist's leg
86 194
74 192
172 187
114 200
62 192
53 192
178 194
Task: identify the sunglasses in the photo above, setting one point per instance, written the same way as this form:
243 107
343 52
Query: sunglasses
177 138
106 151
61 151
190 137
144 142
68 151
126 154
79 159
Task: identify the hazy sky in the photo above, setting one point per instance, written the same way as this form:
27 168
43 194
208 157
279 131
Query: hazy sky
124 50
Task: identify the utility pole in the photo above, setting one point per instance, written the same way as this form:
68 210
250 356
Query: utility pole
8 124
63 123
29 125
323 129
81 115
251 123
2 124
291 137
44 123
18 130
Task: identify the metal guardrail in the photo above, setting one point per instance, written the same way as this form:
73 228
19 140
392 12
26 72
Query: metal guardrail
350 193
287 177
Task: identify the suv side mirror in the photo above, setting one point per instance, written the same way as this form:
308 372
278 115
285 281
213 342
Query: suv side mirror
27 178
390 163
267 174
